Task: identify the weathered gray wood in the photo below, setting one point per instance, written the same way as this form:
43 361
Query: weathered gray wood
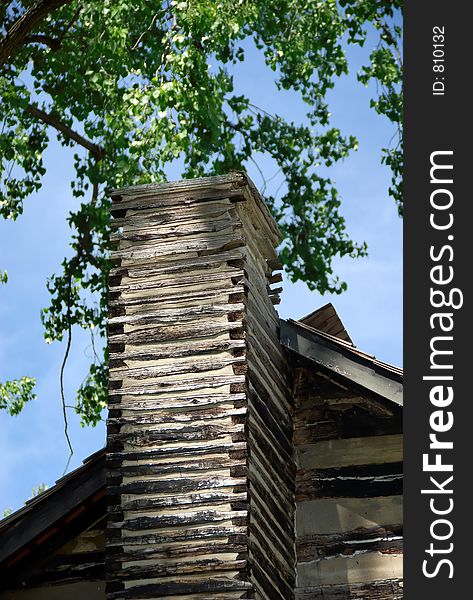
183 315
176 385
210 296
168 285
200 424
171 332
361 568
351 451
143 234
178 266
149 372
386 539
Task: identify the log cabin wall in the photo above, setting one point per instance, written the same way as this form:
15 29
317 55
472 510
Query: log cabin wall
200 467
73 571
348 492
271 467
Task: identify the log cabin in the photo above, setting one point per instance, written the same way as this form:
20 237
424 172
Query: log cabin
247 456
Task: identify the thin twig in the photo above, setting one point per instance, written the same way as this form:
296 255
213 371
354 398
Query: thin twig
75 16
260 172
61 379
153 21
262 110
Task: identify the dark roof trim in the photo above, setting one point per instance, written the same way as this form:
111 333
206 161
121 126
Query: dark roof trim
344 360
48 509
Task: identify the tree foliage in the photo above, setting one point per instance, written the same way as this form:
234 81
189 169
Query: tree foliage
135 86
15 394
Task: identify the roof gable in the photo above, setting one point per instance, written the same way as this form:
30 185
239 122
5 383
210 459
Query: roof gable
342 359
47 521
327 320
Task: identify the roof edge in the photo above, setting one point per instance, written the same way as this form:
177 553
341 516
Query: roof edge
343 361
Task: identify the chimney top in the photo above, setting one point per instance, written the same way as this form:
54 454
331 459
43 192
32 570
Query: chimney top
234 184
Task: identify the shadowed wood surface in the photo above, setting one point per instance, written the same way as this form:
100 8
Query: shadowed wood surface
348 449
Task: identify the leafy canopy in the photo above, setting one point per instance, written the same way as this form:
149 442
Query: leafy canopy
134 86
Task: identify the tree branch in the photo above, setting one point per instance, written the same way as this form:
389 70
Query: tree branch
75 16
49 119
19 31
47 40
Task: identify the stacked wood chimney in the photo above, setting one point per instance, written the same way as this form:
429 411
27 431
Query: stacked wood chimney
200 462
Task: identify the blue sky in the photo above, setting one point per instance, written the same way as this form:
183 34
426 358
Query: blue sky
32 445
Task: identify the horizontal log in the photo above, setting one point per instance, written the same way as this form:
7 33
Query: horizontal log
59 569
179 451
158 590
335 515
180 486
355 423
388 589
171 315
211 261
163 285
387 539
182 501
178 550
201 297
233 535
171 415
218 243
179 405
361 568
177 385
169 216
168 232
127 572
200 517
358 481
154 197
148 437
178 367
177 468
350 451
171 333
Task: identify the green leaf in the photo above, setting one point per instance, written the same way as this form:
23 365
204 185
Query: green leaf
16 393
